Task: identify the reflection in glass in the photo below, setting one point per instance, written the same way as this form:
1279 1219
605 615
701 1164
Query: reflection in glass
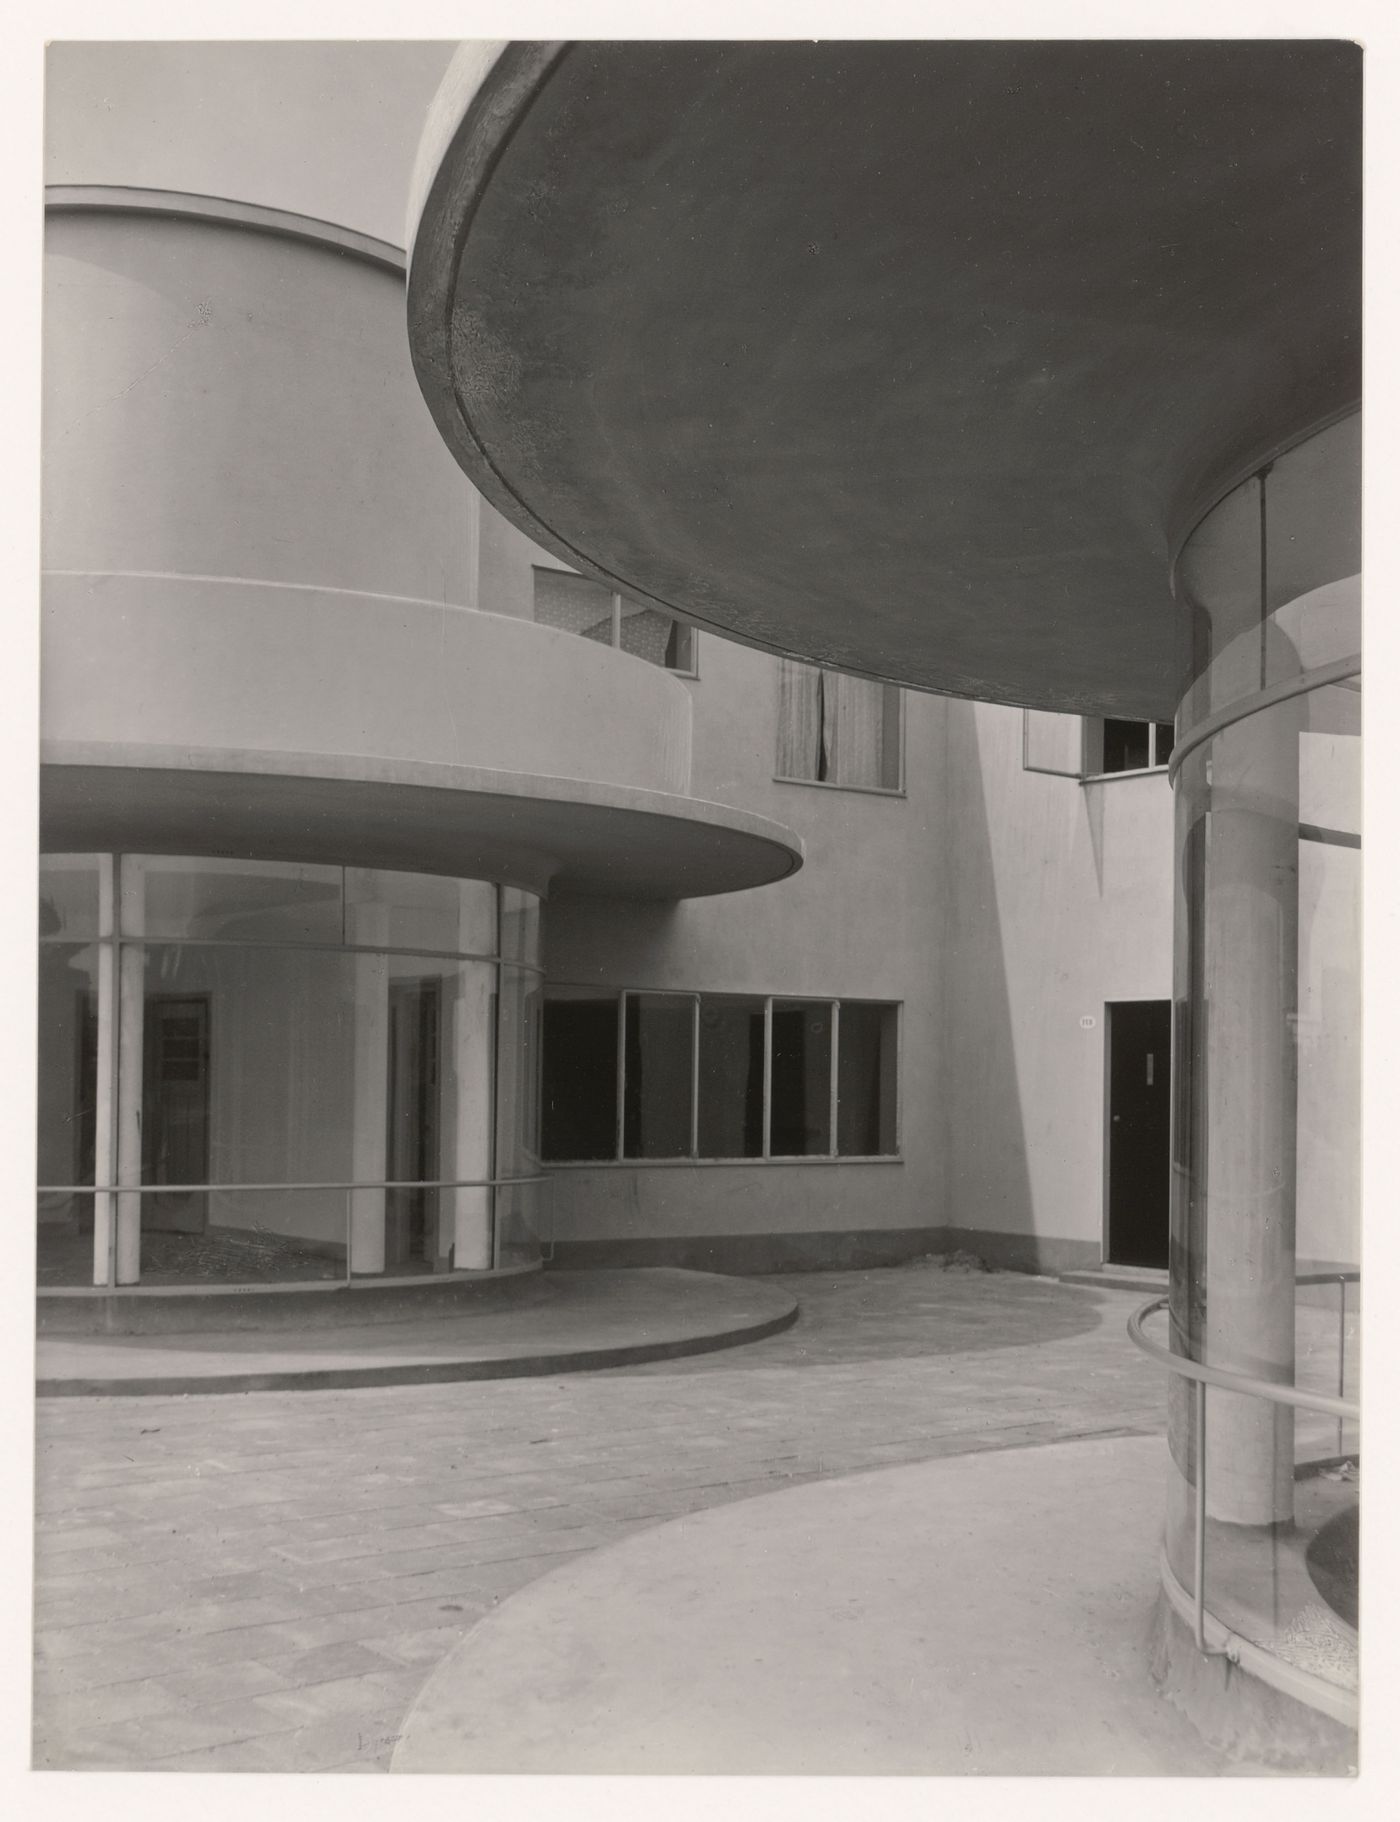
731 1076
70 897
230 900
659 1053
800 1095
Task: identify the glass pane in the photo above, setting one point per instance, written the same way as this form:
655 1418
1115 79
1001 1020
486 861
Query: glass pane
657 1095
680 647
282 1236
579 1112
860 732
1125 746
69 896
731 1077
65 1243
517 1074
420 911
68 985
1051 742
520 926
867 1086
248 900
254 1065
524 1221
645 632
800 1103
575 604
1165 741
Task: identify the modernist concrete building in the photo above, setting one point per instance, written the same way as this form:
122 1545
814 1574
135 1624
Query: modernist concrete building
1030 372
604 856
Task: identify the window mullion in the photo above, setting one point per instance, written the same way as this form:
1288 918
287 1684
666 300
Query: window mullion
695 1075
767 1076
835 1064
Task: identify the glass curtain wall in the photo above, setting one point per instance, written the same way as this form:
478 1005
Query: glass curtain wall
1265 1241
262 1072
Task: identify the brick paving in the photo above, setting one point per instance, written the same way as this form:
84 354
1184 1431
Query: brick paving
264 1581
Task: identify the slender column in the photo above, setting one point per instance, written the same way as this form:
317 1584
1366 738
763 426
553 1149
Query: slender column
470 1125
370 1141
1250 915
104 1210
131 1018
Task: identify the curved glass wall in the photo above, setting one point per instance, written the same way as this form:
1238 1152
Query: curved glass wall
255 1072
1265 1239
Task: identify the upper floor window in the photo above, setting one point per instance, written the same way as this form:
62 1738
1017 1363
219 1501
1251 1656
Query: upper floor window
1075 746
838 730
577 604
1125 746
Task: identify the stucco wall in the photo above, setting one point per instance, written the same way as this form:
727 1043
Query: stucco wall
862 920
1061 901
271 380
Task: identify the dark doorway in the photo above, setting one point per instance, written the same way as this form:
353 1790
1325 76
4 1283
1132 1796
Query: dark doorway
175 1110
410 1215
1139 1131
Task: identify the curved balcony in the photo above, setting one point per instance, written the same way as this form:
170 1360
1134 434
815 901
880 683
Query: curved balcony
261 588
201 715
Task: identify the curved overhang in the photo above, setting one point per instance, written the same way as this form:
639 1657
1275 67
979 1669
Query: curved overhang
919 360
551 835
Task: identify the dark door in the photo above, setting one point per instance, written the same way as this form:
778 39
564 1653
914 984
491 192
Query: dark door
175 1110
410 1224
1139 1131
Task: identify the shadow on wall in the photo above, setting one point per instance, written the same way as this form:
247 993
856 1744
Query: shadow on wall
988 1183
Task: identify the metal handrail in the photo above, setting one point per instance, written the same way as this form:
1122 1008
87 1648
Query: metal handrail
1252 1386
189 1189
1247 1383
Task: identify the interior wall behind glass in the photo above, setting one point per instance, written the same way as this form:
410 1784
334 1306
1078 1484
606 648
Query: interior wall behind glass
270 1100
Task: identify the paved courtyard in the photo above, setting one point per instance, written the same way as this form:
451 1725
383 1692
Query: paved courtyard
264 1581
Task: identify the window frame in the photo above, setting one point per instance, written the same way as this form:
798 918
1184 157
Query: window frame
831 784
691 672
621 1161
1082 774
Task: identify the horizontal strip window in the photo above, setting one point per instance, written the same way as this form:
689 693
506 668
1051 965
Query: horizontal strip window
663 1077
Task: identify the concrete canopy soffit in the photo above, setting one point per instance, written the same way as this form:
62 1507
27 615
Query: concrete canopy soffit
918 360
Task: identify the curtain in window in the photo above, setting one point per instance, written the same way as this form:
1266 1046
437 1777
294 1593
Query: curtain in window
800 721
854 727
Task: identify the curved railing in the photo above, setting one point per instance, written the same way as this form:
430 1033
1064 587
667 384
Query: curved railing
1232 1646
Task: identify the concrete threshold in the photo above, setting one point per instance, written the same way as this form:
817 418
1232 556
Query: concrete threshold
581 1321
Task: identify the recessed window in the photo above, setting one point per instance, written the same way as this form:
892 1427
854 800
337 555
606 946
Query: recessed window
837 730
577 604
1111 745
717 1076
1073 746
